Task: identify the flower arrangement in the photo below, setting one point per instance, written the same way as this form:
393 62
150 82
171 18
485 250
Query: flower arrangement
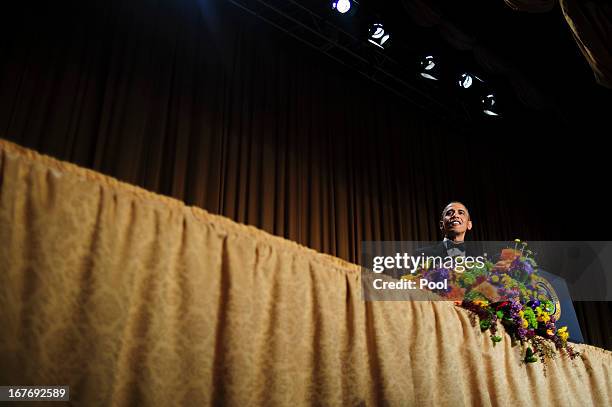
529 323
507 292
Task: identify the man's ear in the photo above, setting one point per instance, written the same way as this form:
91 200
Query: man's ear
469 225
442 225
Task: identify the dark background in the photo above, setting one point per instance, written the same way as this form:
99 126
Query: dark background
205 103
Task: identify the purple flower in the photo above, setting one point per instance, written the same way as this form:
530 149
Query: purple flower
515 306
518 265
438 275
534 304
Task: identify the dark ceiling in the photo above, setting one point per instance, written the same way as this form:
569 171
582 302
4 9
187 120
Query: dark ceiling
537 47
540 45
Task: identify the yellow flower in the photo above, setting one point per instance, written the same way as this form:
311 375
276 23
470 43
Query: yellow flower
525 323
495 279
481 303
521 313
563 334
544 317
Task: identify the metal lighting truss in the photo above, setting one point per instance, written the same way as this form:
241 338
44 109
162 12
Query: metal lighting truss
310 28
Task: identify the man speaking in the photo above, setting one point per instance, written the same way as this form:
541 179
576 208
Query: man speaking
455 222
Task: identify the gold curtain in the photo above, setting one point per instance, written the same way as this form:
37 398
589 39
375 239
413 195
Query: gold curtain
132 298
591 25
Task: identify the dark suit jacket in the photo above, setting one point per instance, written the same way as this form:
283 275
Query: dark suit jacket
471 249
435 250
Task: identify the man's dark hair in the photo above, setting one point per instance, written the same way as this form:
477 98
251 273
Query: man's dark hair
457 202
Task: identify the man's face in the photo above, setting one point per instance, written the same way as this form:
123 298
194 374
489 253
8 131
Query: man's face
455 220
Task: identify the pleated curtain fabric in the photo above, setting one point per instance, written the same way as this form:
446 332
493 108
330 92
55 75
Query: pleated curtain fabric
133 298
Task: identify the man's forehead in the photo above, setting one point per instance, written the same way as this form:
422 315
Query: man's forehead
455 205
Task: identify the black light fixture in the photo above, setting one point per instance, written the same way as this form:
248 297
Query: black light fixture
489 105
430 68
378 36
469 80
341 6
465 80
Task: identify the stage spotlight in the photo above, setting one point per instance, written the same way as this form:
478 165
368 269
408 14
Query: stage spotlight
489 105
465 81
430 68
341 6
378 36
468 80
